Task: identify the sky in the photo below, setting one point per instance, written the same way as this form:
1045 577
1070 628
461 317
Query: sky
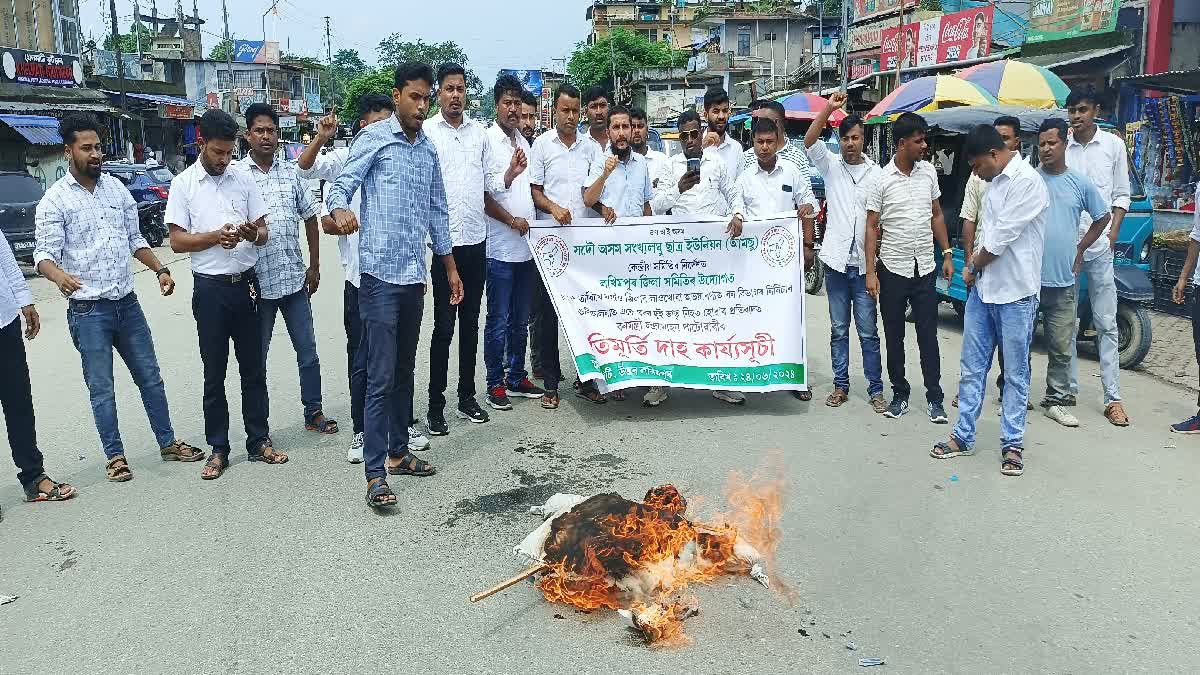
526 34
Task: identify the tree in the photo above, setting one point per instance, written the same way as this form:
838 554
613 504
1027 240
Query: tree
593 64
393 51
220 51
347 65
376 81
129 41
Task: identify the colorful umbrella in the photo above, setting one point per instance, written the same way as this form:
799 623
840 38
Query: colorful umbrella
805 106
932 92
1019 83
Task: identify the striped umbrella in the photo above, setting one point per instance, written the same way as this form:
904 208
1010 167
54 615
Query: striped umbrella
805 106
1019 83
932 92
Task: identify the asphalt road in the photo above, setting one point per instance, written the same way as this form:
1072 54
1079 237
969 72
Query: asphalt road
1086 564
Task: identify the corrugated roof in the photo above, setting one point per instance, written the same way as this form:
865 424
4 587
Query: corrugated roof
37 129
1175 81
1068 58
154 98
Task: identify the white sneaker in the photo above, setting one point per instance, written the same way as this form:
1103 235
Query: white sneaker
1061 415
732 397
655 397
416 440
355 454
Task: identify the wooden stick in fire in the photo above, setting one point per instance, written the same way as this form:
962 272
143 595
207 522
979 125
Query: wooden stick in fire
509 583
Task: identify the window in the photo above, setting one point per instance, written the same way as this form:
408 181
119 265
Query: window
770 37
650 33
743 44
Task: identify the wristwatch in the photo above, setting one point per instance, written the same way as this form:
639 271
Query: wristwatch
971 268
162 270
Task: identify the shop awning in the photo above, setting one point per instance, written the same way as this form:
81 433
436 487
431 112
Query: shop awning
1106 56
37 129
1174 82
154 98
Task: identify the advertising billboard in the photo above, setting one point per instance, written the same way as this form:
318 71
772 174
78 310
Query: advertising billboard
255 51
865 9
961 36
40 68
532 79
1061 19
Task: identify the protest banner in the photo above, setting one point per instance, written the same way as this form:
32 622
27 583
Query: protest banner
674 301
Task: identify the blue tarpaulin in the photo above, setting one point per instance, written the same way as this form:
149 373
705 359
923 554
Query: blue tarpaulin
37 129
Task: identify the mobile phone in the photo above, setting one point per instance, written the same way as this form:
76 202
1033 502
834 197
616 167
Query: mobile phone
693 166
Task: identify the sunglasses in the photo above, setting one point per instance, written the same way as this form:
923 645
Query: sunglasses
688 135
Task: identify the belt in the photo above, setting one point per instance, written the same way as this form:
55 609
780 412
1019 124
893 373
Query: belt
227 278
73 302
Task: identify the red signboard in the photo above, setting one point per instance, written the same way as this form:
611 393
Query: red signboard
177 112
961 36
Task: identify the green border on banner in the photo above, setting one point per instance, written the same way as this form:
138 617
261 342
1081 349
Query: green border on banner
742 377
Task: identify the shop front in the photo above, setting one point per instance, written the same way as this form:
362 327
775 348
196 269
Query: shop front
1163 134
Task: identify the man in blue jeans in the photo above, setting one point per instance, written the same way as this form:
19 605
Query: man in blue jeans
849 178
284 283
1006 277
403 202
87 227
512 275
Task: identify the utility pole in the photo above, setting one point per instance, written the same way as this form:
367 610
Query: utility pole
266 76
228 55
116 34
328 44
899 41
844 43
821 46
137 26
612 50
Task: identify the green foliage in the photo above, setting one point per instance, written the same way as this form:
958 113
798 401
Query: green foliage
593 64
129 41
375 81
220 51
393 51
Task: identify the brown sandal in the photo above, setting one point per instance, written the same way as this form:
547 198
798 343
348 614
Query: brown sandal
1115 412
178 451
837 398
214 467
58 492
267 455
117 470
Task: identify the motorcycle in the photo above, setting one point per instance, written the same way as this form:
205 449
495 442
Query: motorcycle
152 223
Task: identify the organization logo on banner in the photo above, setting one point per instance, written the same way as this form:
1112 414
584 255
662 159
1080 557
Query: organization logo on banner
778 247
552 251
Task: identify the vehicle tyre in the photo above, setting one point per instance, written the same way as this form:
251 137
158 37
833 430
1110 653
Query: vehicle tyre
1133 334
814 278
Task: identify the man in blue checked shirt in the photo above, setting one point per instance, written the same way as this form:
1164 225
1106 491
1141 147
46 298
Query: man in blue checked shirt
403 202
284 281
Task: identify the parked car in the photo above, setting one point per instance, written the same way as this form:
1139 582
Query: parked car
19 197
147 183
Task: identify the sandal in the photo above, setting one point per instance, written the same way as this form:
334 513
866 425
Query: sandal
320 423
588 392
379 494
805 395
1115 413
59 492
411 466
1010 466
267 455
837 398
214 467
550 400
179 451
618 395
117 470
951 448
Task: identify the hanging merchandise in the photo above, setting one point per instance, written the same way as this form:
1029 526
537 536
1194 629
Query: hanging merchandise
1189 139
1178 152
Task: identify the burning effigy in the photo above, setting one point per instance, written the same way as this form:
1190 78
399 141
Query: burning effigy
640 558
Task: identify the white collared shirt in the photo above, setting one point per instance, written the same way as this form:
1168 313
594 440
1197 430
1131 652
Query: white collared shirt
468 172
503 242
202 203
561 170
327 167
767 193
730 152
905 208
715 195
1014 208
1105 161
846 189
627 190
656 161
14 290
90 235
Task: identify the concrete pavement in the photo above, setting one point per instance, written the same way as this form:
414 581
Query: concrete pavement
1085 564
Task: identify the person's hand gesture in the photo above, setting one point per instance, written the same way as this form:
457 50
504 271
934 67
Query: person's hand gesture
610 165
345 221
563 216
516 166
68 284
33 322
328 125
610 214
838 100
688 181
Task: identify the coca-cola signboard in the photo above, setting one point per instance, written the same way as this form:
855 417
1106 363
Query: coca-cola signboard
961 36
40 68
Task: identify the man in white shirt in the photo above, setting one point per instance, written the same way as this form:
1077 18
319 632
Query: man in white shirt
697 181
511 272
640 140
558 165
312 164
1190 276
1007 276
16 394
788 152
904 218
1102 157
218 215
87 227
597 102
716 112
618 183
849 178
465 154
971 213
773 186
